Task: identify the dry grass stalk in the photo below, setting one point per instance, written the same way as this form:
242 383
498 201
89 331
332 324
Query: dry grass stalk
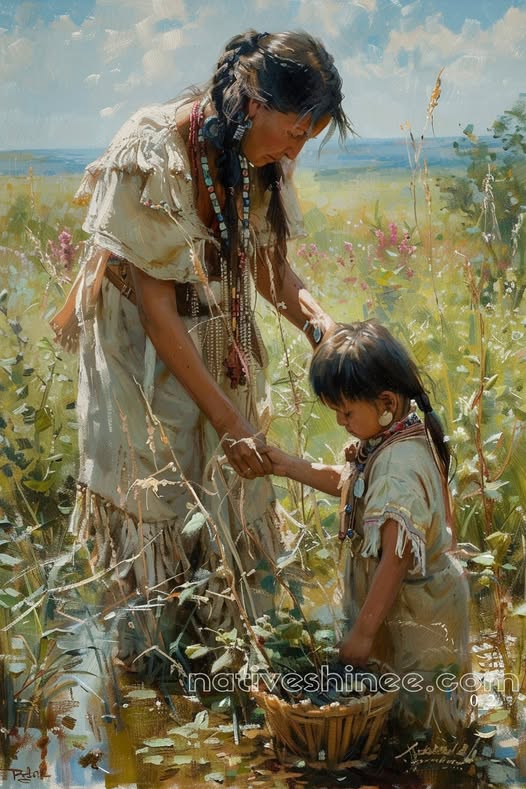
434 98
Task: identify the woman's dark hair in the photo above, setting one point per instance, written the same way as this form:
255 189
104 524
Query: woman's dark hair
289 72
359 361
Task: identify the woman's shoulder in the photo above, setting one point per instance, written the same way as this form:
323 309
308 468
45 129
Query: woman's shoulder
147 145
147 141
150 118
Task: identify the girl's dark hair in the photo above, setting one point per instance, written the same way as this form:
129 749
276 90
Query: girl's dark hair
288 72
359 361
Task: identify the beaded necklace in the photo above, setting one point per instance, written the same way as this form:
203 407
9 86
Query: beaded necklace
354 483
235 284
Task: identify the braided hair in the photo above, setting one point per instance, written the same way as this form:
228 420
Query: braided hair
287 72
358 361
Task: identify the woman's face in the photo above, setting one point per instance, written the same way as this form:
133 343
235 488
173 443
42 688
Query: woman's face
274 134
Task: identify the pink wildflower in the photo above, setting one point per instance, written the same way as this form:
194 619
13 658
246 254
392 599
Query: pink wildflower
380 237
393 233
348 247
409 273
405 247
63 251
363 285
302 251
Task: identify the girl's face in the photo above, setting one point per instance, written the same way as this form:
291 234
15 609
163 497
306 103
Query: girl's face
360 417
274 134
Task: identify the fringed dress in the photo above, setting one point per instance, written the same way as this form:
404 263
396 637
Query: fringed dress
426 633
155 506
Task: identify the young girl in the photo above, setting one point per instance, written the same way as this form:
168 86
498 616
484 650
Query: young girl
406 597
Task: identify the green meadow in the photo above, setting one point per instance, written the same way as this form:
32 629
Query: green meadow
439 258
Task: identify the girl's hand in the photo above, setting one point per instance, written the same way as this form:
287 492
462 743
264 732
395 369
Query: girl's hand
356 647
280 461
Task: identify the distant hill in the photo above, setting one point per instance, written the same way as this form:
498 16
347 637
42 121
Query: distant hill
359 155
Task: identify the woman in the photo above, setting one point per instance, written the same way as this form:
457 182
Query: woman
190 207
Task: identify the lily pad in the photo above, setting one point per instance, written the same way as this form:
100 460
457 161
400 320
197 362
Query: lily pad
154 759
141 693
215 777
181 759
497 716
159 742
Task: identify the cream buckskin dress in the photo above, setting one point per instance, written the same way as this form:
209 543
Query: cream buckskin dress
425 636
155 505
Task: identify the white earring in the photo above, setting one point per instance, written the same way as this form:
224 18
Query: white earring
385 419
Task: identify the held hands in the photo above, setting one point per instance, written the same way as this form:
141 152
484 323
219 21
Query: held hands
246 450
280 461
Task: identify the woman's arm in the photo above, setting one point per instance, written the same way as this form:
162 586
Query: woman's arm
387 581
156 303
289 295
317 475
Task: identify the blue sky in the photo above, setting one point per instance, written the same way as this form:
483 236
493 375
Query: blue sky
71 71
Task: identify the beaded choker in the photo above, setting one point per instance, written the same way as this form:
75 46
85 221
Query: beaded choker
235 283
354 483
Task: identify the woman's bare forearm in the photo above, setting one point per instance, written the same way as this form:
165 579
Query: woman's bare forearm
157 307
290 296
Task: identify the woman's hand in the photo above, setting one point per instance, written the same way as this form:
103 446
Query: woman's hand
356 647
245 449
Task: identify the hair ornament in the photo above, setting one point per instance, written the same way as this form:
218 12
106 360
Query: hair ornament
214 131
242 126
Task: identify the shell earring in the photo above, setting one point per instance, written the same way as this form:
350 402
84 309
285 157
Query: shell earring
385 419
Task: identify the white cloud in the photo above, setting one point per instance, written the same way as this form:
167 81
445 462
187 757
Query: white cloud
58 80
116 43
108 112
332 17
483 74
92 79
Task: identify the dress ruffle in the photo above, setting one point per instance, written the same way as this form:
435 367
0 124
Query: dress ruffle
408 534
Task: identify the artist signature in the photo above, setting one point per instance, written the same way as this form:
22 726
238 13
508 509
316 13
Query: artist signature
22 774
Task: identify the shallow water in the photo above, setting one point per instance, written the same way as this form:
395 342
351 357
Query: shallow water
148 740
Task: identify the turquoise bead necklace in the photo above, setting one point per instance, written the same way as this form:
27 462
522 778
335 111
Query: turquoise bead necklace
237 290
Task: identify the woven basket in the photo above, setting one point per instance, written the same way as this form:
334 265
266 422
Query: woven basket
332 734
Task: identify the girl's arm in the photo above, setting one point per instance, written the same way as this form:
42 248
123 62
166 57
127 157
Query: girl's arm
387 581
157 306
289 295
317 475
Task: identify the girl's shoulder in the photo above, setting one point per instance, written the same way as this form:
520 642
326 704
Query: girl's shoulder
405 456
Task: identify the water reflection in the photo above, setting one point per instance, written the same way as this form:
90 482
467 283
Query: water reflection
100 735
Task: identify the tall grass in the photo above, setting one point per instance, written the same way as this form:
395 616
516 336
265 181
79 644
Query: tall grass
391 249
